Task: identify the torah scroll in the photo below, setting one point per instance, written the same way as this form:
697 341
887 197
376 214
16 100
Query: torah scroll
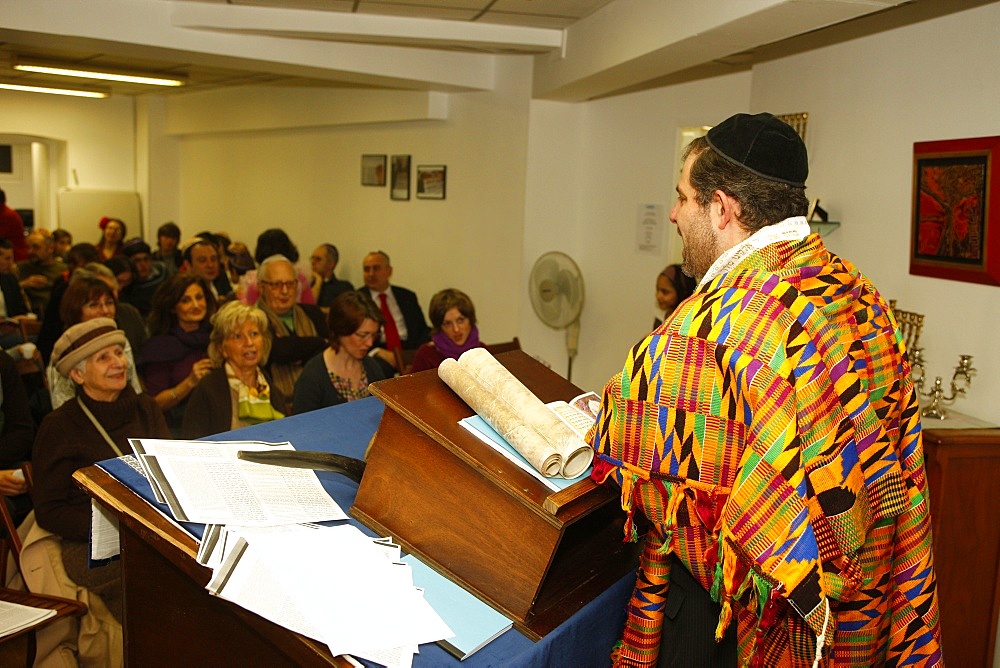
516 414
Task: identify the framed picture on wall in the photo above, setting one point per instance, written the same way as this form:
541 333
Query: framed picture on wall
400 177
431 181
373 170
955 230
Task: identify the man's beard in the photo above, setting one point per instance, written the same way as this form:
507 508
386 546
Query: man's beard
701 249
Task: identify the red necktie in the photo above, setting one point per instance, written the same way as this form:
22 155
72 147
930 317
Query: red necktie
392 341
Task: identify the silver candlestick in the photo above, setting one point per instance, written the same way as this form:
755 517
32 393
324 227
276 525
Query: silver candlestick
961 380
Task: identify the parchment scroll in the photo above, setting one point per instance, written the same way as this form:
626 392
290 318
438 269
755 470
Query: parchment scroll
517 414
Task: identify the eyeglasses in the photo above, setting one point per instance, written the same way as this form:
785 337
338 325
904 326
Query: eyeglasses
367 336
281 285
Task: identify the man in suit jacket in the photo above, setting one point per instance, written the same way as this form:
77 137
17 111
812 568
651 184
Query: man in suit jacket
401 304
327 286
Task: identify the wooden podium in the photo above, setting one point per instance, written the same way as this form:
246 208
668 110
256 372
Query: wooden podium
536 555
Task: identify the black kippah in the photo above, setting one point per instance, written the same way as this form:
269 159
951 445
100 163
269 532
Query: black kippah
764 145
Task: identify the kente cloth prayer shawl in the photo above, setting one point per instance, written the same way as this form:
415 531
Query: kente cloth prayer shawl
770 433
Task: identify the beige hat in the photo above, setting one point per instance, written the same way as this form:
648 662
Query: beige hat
83 340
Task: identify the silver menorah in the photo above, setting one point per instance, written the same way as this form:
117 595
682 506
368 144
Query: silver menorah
961 380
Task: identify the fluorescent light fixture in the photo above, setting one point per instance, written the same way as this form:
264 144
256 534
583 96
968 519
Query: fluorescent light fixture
53 90
40 67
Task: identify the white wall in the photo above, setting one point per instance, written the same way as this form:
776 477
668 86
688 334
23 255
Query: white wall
590 167
97 135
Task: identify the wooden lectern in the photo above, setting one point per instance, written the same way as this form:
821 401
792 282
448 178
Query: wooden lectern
536 555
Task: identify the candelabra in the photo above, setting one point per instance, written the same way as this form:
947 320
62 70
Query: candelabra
961 380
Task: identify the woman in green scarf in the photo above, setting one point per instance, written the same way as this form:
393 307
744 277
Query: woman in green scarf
236 393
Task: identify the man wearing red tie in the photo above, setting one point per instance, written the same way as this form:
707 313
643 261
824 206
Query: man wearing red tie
405 325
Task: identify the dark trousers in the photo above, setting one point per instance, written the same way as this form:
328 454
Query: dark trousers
689 626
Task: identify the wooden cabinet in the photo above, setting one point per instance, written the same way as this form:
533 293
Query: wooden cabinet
963 472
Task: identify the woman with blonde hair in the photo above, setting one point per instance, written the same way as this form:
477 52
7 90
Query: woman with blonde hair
236 393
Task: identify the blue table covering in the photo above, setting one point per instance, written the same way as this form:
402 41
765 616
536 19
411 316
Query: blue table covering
585 639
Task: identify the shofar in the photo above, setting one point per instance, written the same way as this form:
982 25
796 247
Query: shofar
516 414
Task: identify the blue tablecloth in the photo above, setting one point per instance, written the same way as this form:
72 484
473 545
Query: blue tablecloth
583 640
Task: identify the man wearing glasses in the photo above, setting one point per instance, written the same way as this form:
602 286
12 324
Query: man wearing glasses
299 330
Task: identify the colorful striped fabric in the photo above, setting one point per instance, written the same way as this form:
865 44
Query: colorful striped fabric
771 434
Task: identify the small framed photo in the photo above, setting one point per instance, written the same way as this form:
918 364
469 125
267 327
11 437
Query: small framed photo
431 181
373 170
400 177
956 225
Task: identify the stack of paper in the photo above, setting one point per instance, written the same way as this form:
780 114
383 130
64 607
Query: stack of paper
330 583
15 617
333 584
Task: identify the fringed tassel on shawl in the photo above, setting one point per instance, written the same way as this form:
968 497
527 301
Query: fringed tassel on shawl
729 568
675 497
717 575
767 616
628 505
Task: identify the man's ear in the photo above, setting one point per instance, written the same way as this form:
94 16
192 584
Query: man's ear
725 210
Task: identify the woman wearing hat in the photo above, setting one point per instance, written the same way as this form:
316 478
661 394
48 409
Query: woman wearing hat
236 393
87 297
94 426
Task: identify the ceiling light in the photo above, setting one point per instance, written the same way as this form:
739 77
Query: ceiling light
118 75
54 90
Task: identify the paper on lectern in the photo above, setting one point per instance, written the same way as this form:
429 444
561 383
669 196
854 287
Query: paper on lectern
541 437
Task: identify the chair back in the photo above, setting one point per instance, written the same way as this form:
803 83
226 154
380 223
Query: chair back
504 346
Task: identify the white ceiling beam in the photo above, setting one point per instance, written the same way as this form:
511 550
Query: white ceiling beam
631 41
144 28
370 28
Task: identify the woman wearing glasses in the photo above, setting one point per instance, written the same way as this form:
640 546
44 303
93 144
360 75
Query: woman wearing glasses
343 371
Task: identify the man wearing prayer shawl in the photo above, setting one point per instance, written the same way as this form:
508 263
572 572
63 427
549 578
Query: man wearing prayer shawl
769 434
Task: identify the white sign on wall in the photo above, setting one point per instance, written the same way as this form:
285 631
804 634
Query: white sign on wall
649 229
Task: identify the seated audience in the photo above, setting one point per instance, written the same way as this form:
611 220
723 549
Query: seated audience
343 371
201 256
404 325
147 276
13 305
16 435
121 270
175 357
326 285
237 392
300 330
168 240
672 287
86 298
240 262
127 316
40 270
62 241
453 318
111 243
276 242
12 228
52 325
106 412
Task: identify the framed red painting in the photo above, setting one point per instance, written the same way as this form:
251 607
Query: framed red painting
956 232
